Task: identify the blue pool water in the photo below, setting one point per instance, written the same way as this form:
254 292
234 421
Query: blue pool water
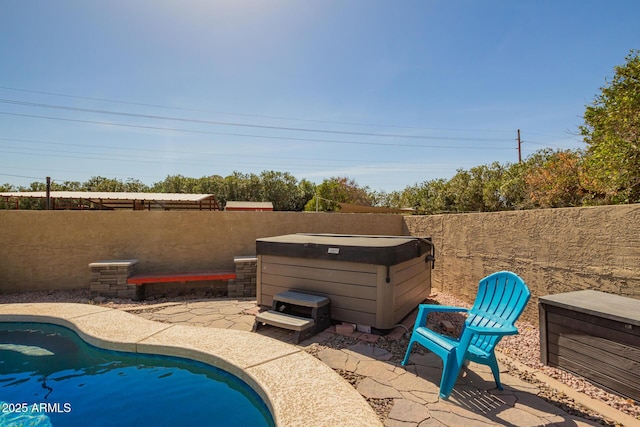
51 377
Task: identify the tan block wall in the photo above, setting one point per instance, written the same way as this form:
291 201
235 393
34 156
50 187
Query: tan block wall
43 250
553 250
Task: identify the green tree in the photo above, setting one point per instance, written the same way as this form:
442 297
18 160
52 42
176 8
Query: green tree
513 187
391 199
213 184
423 198
6 188
176 184
428 197
478 189
611 131
100 183
491 178
466 189
335 190
72 186
305 192
243 187
281 189
438 197
135 186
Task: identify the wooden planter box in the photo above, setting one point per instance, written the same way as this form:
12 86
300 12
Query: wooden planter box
595 335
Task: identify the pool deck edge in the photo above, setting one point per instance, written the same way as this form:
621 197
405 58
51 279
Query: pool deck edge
299 389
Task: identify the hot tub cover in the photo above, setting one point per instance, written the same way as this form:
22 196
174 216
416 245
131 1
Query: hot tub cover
366 249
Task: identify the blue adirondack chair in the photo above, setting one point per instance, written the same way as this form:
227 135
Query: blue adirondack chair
501 299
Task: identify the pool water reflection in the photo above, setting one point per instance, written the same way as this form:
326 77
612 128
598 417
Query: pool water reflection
49 376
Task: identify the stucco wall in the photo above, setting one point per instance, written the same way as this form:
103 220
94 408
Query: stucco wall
52 249
553 250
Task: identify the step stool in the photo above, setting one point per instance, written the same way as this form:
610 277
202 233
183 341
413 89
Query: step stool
305 314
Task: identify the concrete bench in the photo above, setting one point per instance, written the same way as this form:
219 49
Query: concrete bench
119 278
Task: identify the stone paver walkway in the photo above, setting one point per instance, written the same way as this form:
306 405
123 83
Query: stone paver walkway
413 390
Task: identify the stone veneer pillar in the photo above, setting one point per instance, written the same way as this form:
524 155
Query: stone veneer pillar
109 278
246 277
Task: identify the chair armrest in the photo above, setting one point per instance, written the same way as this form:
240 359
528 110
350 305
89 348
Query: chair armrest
425 309
471 330
503 330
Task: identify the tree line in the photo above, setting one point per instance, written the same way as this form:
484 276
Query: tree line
281 188
607 171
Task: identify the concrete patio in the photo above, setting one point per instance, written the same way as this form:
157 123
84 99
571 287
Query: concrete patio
411 391
377 390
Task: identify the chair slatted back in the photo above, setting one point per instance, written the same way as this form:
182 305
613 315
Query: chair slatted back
501 299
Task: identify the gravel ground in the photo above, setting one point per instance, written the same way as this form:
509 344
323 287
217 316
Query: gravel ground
524 347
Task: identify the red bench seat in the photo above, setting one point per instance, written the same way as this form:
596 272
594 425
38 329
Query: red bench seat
141 279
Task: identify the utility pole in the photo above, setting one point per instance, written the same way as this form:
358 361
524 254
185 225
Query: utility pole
48 193
519 148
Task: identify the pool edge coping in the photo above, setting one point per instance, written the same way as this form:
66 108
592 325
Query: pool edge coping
317 397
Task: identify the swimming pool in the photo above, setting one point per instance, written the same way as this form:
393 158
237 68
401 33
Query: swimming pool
49 376
298 389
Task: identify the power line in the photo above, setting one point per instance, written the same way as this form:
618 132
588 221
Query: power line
21 176
155 150
66 171
250 135
245 114
246 125
547 145
88 156
310 162
261 131
546 135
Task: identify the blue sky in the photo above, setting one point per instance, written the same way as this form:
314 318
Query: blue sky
389 93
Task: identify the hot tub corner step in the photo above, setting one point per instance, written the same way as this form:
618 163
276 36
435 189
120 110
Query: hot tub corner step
303 326
286 321
301 299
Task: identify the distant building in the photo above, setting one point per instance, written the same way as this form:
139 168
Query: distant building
248 206
116 200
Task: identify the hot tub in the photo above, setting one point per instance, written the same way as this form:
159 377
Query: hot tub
372 281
